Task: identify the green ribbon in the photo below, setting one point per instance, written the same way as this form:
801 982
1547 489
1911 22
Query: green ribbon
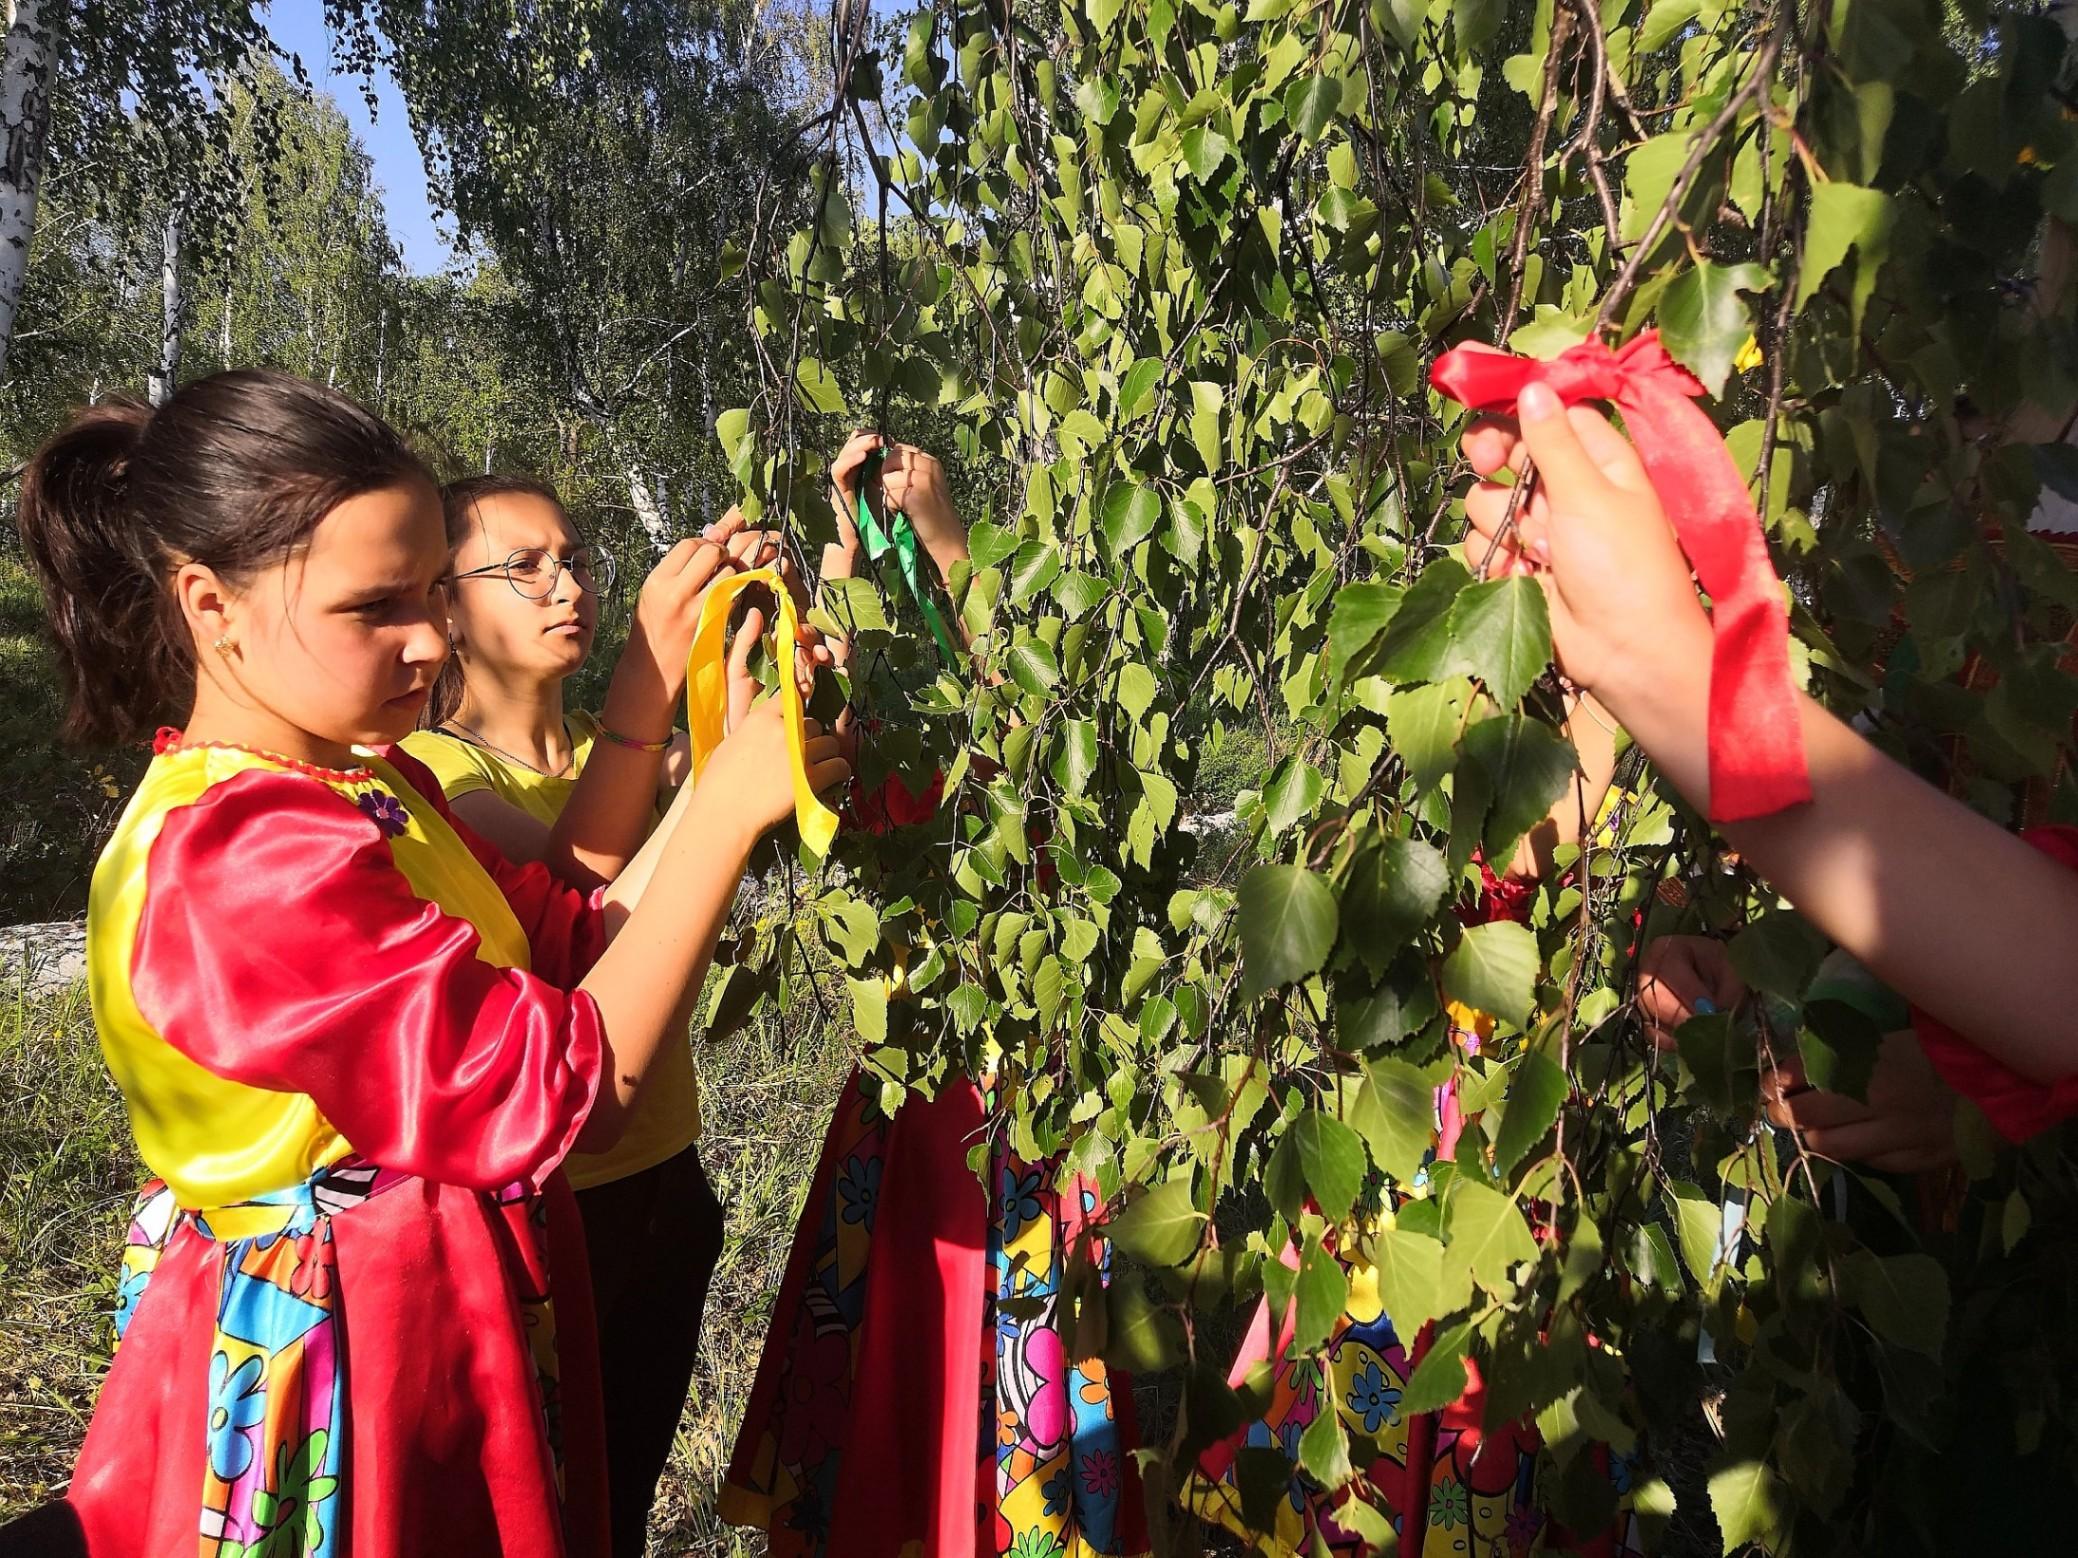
899 537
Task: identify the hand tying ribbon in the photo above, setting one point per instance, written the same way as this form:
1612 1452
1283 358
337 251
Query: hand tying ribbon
707 694
899 537
1756 739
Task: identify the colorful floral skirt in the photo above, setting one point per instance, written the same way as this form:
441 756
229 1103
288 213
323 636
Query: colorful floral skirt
359 1366
1471 1493
917 1391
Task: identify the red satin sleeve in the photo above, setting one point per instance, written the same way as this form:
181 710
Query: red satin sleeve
2017 1106
281 947
565 928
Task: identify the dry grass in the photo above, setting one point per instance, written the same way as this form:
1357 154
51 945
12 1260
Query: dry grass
766 1099
67 1171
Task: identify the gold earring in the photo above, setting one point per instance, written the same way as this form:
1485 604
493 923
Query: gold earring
224 646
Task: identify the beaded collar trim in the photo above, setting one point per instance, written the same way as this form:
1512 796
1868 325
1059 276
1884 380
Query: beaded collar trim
170 740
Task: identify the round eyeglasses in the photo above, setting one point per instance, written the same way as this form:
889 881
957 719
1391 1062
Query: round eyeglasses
534 571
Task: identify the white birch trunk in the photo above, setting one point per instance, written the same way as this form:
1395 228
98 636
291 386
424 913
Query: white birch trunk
655 522
709 511
27 64
171 309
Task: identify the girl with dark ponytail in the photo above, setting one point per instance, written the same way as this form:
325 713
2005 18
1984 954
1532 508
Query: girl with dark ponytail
354 1041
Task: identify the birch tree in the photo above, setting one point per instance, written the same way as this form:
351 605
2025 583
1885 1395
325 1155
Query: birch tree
172 310
606 156
99 71
25 92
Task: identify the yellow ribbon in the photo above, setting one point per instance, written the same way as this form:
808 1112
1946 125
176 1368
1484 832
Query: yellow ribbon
707 694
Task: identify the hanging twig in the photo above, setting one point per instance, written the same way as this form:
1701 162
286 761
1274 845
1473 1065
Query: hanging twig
1532 203
1706 142
1589 140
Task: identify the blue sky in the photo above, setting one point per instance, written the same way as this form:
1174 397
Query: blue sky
299 27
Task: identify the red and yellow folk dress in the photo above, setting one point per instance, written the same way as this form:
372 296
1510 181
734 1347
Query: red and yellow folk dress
345 1034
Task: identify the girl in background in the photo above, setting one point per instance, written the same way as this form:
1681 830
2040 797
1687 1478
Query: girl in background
580 792
917 1390
1446 1481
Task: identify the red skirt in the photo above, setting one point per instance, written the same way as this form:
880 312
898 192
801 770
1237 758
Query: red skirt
449 1438
919 1396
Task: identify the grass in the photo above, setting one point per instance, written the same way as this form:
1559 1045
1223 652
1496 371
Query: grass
766 1097
68 1170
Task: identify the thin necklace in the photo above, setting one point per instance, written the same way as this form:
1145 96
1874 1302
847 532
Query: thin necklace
513 757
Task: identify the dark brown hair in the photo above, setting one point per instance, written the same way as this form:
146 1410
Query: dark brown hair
458 500
235 471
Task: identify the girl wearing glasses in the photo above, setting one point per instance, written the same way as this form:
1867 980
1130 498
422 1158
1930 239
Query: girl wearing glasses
580 792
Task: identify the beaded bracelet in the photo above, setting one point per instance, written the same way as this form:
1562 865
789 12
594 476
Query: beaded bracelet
632 744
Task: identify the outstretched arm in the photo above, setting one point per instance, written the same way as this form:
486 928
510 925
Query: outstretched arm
1971 924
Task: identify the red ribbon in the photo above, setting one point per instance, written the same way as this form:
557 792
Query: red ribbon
1756 735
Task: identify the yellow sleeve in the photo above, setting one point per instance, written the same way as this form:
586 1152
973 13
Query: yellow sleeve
458 766
584 734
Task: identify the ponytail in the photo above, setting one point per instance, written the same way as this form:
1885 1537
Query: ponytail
234 472
110 614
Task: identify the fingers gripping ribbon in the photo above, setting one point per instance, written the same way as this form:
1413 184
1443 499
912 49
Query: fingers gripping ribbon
707 694
1757 761
899 538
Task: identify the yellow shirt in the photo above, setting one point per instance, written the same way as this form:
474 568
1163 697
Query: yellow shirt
667 1118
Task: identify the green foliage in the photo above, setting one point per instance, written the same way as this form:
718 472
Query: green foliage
70 1177
1170 275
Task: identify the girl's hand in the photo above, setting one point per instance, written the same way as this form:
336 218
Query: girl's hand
844 490
668 608
914 482
747 549
1594 536
740 680
811 653
754 767
1906 1127
1680 977
790 576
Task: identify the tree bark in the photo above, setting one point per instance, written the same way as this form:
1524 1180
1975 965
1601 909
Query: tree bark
27 65
709 511
643 499
171 310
